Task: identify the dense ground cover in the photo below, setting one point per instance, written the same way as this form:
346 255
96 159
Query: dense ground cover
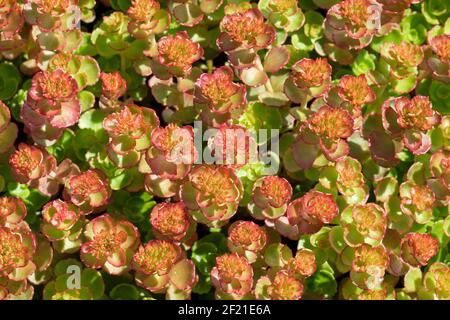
331 149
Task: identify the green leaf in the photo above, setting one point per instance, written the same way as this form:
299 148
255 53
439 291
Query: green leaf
9 80
413 280
124 291
363 63
322 282
414 28
92 119
93 280
87 100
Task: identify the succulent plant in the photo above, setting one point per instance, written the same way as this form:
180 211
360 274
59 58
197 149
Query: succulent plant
110 244
161 267
212 194
224 149
232 276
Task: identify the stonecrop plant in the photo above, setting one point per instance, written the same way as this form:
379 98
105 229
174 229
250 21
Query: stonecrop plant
225 149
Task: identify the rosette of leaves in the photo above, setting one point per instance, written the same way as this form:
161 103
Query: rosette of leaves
161 267
109 244
347 179
55 24
232 277
169 160
435 11
247 239
369 266
129 130
259 116
176 54
111 38
18 265
309 78
351 24
220 202
437 61
307 39
15 290
270 199
58 89
351 93
8 129
147 19
417 249
176 96
242 43
307 214
364 224
12 22
204 253
114 86
84 69
72 281
88 190
350 291
429 285
283 14
278 286
171 221
87 8
35 167
234 156
62 225
191 13
324 139
402 62
218 98
30 259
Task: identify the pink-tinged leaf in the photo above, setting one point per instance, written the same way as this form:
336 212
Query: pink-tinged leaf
225 43
265 39
253 77
390 117
122 144
89 259
131 231
304 154
209 6
187 14
417 142
276 59
243 58
383 149
274 99
163 188
70 114
102 224
182 274
153 283
8 137
295 94
117 258
5 116
334 150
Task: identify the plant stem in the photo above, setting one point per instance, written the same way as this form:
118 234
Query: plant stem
259 66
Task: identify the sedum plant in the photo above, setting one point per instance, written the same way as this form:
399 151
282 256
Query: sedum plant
223 149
